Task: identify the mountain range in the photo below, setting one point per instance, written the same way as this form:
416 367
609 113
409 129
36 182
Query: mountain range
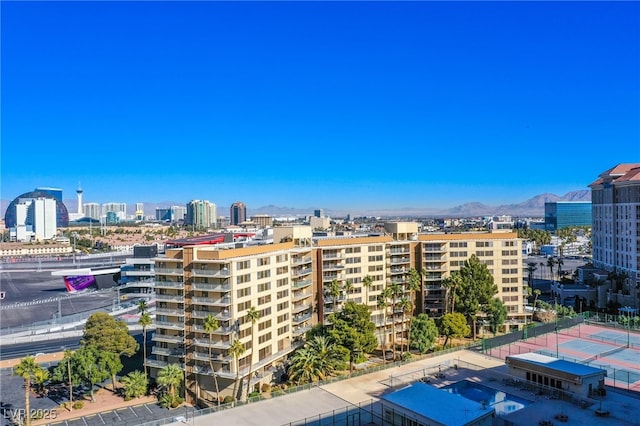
533 207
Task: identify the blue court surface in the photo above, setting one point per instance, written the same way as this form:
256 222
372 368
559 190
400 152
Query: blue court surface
616 337
587 347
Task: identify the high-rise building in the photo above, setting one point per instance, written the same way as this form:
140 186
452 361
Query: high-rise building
615 198
62 215
171 214
35 219
565 214
79 192
238 213
119 209
298 281
139 211
201 214
92 210
54 192
318 213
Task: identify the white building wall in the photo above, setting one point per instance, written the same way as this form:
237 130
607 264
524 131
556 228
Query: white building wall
44 218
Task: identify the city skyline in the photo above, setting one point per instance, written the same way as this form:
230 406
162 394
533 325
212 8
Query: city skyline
341 105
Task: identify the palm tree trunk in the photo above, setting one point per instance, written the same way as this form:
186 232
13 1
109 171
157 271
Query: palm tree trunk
144 350
213 372
27 406
70 384
393 329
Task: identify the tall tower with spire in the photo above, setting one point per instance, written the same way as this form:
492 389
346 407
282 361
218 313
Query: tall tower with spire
79 192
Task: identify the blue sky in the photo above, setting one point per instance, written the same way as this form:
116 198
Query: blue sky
344 105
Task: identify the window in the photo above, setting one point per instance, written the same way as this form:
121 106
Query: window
264 338
264 274
282 270
264 287
263 261
282 282
282 258
283 317
264 324
283 330
264 299
245 264
282 293
283 305
243 292
375 258
241 279
374 248
244 306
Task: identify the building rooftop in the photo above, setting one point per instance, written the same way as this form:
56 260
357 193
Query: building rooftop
556 364
438 405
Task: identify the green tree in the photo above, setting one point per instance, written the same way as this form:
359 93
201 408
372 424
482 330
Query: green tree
550 264
134 385
27 369
210 325
334 290
531 268
318 359
106 333
64 372
395 292
145 321
405 305
424 333
111 363
453 326
170 377
236 350
348 288
352 328
142 306
40 378
85 364
476 289
496 313
253 315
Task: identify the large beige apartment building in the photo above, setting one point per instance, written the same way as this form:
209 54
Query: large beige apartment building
290 284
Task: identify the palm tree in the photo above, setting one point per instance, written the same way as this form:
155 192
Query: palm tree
236 350
171 376
142 306
451 284
536 293
383 303
542 270
531 268
550 263
145 321
211 325
559 262
367 282
68 354
348 287
335 290
414 285
396 291
27 369
405 305
254 315
317 360
135 384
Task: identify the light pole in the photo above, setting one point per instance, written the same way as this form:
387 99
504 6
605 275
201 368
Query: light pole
75 236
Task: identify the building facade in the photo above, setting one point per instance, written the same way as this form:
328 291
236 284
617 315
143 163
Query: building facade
201 214
565 214
237 213
92 210
615 197
298 281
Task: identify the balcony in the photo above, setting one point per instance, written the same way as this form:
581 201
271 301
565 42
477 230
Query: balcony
175 298
209 301
300 261
400 261
297 331
300 318
331 277
156 363
170 312
215 273
332 255
156 350
202 369
301 307
139 273
403 250
158 337
434 249
211 287
302 283
218 315
216 344
204 356
332 266
169 271
169 284
299 272
301 295
399 270
170 325
219 331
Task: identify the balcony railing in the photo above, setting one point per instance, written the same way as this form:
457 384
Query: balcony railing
218 315
169 284
224 301
169 271
204 356
219 344
302 283
297 319
156 363
298 261
171 312
176 298
217 331
211 287
400 261
329 256
158 337
156 350
220 273
170 325
297 331
298 272
301 307
301 295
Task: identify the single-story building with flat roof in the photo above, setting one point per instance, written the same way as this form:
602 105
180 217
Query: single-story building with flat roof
422 404
557 373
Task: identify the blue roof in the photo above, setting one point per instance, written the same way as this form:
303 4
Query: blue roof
438 405
557 364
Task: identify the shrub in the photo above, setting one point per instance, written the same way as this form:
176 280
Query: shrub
227 399
266 387
78 405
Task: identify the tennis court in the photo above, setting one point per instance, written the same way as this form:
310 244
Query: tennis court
616 351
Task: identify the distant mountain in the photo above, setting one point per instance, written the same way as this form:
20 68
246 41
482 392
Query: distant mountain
532 207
